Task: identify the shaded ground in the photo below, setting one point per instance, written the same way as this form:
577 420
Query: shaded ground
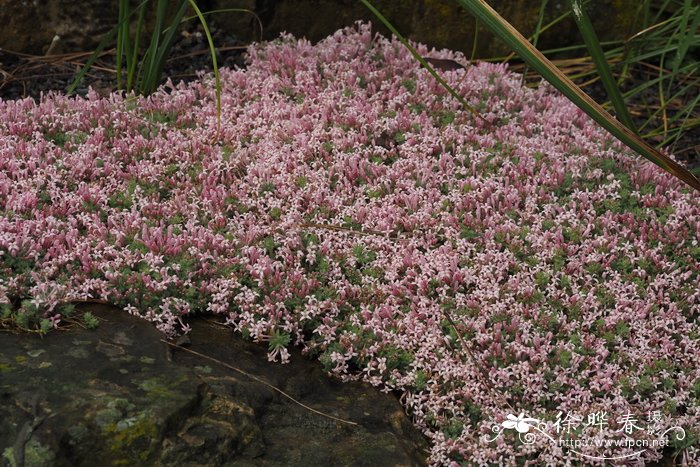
30 76
119 395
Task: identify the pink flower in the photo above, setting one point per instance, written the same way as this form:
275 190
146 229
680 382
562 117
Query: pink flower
350 203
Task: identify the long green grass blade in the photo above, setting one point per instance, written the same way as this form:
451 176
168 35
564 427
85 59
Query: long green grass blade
686 37
83 71
420 59
150 76
596 52
215 65
132 62
543 66
472 57
108 37
167 41
122 38
540 20
144 75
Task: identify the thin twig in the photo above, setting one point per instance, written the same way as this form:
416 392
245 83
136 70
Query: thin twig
214 322
206 51
338 228
482 374
255 378
83 300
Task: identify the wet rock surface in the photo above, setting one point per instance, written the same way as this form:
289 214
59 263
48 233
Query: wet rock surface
118 395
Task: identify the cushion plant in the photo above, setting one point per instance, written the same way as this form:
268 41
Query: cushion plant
516 262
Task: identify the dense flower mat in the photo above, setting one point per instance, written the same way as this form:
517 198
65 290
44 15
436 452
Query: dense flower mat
351 207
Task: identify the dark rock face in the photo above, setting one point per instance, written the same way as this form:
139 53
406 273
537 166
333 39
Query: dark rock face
120 396
30 26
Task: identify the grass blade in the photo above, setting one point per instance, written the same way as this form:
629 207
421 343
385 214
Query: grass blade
108 37
541 30
595 50
122 38
215 65
168 39
540 20
543 66
420 59
150 76
685 37
83 71
132 63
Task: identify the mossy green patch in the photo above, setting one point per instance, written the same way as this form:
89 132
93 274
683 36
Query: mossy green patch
133 440
35 455
105 418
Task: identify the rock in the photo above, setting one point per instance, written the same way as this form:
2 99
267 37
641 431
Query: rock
119 396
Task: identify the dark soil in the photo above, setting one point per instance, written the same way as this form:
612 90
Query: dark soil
31 76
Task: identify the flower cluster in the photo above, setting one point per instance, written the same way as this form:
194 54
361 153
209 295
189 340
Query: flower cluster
518 261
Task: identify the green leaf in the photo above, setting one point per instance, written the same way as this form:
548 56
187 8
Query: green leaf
596 51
